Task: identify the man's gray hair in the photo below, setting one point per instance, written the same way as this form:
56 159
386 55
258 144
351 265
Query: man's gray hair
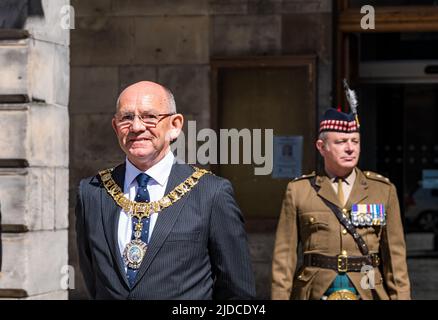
171 104
322 136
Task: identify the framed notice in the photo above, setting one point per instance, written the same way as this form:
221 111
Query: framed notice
288 155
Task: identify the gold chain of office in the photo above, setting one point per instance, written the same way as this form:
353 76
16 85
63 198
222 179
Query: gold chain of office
142 210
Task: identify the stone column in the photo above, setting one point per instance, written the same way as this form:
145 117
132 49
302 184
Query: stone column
34 91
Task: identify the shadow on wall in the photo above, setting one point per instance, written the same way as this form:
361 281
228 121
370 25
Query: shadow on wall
13 13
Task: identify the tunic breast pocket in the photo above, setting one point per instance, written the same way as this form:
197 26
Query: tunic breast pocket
315 230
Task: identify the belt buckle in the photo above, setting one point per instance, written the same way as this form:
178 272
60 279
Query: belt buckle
342 261
342 295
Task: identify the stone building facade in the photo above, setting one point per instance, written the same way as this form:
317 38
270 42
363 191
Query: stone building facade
58 89
34 158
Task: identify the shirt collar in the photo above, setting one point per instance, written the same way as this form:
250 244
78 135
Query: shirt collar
159 172
349 179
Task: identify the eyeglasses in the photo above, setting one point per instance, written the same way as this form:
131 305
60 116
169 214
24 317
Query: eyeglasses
149 120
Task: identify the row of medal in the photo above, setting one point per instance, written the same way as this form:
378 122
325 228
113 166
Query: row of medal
368 215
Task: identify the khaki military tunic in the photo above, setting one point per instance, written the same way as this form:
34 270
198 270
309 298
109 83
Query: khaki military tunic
305 218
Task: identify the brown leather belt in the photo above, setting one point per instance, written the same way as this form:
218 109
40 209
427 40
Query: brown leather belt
341 263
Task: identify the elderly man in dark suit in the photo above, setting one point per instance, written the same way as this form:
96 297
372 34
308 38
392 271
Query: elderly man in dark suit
151 228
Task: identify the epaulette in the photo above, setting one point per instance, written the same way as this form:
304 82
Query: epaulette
305 176
377 177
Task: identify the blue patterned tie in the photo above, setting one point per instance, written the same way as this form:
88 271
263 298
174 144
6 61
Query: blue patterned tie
142 196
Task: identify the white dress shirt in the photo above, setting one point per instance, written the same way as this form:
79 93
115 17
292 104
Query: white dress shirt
156 186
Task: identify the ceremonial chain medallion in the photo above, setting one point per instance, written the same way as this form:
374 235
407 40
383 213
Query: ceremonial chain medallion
136 249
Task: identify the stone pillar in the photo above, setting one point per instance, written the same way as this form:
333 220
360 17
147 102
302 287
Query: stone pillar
34 91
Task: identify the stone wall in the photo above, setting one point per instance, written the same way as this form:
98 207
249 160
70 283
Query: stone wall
118 42
34 91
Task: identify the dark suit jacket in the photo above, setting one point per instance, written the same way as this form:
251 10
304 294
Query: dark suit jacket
198 248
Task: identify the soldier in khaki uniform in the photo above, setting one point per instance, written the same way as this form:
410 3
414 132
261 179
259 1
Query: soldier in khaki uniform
348 222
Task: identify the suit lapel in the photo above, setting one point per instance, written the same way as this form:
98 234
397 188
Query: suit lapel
359 191
166 219
326 190
110 217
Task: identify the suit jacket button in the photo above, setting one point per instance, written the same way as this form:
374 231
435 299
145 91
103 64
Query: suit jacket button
312 220
344 232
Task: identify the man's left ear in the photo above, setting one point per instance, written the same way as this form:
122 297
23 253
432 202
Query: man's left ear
176 125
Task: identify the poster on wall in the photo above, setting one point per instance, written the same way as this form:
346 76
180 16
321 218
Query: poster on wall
288 153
